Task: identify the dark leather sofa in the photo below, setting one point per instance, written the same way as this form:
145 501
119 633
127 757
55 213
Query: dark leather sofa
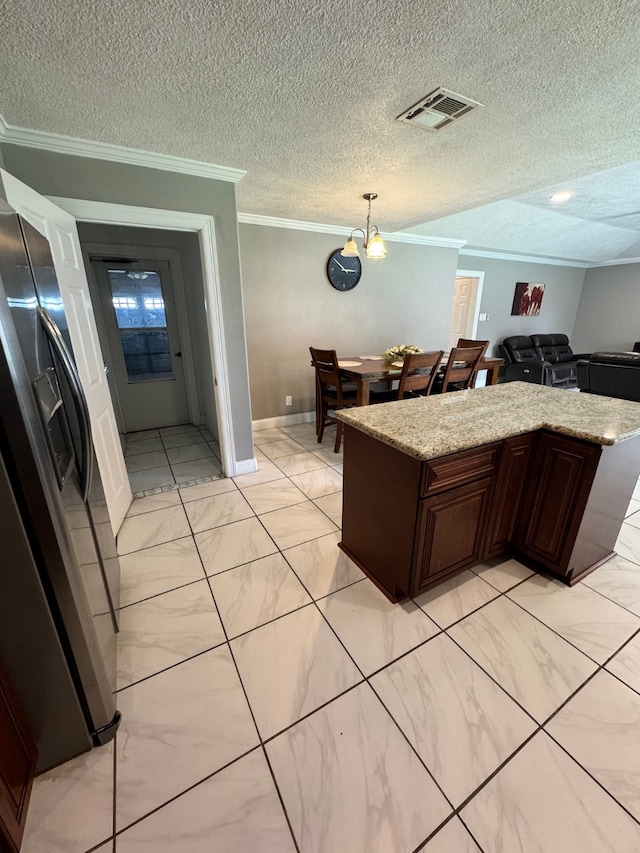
614 374
542 359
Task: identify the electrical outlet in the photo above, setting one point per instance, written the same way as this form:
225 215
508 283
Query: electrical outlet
288 400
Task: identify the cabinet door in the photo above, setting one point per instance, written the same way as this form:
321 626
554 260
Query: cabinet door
17 769
506 504
451 532
562 473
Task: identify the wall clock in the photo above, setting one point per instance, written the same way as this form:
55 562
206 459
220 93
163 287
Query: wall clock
343 273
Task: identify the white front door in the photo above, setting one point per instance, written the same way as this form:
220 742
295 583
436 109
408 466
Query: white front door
60 230
138 307
464 302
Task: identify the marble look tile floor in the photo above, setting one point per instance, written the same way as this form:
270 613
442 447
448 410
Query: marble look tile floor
168 457
273 700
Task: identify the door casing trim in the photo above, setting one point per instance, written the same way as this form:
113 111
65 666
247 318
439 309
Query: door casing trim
176 220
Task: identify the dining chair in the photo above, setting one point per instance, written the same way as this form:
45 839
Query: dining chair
467 342
331 392
460 370
419 372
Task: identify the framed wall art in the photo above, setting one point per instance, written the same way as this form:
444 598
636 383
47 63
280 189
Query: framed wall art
527 299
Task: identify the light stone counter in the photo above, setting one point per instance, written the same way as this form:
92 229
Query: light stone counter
435 426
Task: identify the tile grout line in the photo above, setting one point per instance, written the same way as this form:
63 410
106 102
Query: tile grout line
228 645
623 606
169 464
367 681
562 637
541 727
185 791
246 697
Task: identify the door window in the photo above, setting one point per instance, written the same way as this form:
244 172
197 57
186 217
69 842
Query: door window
138 303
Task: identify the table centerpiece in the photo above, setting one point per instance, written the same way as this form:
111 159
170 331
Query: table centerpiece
398 352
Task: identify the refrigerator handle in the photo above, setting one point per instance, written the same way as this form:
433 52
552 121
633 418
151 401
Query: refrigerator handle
80 401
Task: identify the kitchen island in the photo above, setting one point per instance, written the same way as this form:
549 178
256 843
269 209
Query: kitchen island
436 485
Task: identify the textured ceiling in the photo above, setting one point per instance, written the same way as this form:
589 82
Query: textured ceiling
599 223
304 96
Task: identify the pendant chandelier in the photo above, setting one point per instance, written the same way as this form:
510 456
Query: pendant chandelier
373 243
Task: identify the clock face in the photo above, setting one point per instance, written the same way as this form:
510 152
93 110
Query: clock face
343 273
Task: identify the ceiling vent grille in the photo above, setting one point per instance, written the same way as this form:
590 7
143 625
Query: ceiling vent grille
440 108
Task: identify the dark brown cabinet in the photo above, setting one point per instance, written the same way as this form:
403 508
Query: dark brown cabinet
559 487
451 531
512 477
552 501
17 768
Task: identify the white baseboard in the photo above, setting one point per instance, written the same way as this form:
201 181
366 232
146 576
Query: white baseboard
245 466
284 420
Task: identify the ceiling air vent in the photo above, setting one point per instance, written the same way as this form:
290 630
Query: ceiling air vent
440 108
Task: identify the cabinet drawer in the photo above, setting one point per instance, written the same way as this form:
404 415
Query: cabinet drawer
460 468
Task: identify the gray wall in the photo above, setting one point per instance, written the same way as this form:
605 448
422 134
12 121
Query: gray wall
559 304
100 180
290 306
609 314
188 245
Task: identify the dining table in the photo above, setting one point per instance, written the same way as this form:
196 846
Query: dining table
365 369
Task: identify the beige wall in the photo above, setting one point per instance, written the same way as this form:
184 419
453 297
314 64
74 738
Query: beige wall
290 306
559 304
609 315
405 298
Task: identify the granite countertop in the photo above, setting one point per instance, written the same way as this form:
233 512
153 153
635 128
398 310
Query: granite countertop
430 427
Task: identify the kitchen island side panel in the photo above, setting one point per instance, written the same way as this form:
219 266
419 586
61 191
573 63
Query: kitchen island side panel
380 504
613 486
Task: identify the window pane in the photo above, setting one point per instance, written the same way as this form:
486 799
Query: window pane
139 307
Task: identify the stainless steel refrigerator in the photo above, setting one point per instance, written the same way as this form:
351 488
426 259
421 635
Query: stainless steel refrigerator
59 570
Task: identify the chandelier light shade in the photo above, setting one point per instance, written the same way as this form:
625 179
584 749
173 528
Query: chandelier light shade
350 249
373 243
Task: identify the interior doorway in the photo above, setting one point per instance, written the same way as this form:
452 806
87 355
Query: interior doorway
466 305
467 298
143 345
147 288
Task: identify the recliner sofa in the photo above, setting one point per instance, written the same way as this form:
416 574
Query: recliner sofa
542 359
613 374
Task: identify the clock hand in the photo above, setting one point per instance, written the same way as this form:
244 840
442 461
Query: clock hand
340 265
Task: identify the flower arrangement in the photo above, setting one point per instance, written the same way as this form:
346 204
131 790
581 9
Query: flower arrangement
397 353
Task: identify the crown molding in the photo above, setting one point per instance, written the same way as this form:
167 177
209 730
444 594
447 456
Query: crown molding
292 224
320 228
115 153
527 259
423 240
615 263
